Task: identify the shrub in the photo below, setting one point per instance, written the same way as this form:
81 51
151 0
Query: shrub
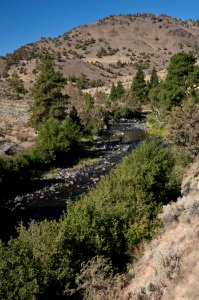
56 139
14 170
111 219
183 124
16 83
97 280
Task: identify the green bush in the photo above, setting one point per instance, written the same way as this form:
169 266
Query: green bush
14 170
116 216
56 141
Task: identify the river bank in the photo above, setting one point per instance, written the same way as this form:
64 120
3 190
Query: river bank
50 197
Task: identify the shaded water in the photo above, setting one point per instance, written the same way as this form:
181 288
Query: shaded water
125 131
50 201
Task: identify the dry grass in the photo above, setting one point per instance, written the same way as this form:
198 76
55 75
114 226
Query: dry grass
169 267
14 116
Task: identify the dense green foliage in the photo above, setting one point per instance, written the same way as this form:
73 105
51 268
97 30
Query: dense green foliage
182 75
185 130
110 220
14 170
113 93
56 140
48 100
138 88
153 79
117 92
174 102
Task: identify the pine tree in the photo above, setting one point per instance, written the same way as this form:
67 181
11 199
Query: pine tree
113 93
154 78
88 106
48 100
138 88
180 68
181 76
120 90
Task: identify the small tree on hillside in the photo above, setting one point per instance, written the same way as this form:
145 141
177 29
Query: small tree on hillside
88 105
16 83
48 100
138 87
120 90
154 78
113 93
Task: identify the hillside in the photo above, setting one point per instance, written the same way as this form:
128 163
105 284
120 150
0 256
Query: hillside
105 52
108 49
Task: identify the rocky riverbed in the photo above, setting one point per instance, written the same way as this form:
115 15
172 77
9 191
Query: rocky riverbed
50 197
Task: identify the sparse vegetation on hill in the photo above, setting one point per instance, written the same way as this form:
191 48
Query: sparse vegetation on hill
117 43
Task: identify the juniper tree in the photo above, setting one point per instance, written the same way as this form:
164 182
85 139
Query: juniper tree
182 74
138 87
16 83
120 90
154 78
48 99
113 93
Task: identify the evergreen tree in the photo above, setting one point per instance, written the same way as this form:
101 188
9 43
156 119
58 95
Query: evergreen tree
16 83
138 87
113 93
181 76
120 90
74 116
88 106
48 100
180 68
154 78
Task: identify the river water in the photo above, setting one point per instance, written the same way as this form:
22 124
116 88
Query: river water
49 199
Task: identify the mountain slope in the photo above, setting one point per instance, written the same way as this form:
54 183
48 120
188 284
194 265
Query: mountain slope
109 48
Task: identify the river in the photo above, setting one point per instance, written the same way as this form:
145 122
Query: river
48 199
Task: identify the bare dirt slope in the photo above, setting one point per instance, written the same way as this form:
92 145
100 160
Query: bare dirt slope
14 116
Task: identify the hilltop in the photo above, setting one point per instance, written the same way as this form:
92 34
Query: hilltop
109 48
98 54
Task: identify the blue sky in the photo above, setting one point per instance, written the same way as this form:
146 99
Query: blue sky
25 21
